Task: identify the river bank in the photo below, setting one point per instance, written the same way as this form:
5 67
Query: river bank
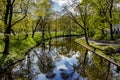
99 48
20 48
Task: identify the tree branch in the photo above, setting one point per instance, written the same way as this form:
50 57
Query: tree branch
19 20
13 2
74 19
23 16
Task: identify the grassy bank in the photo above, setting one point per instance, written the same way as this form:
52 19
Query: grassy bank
19 44
99 49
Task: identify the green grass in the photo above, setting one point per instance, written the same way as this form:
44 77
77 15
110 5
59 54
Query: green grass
19 45
100 49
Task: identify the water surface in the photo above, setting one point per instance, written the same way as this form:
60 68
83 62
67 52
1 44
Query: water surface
62 59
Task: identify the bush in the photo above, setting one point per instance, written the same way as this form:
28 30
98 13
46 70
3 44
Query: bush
109 51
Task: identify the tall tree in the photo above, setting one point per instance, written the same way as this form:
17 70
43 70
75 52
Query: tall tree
106 10
8 13
82 16
42 13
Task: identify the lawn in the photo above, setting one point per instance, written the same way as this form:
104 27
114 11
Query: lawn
99 49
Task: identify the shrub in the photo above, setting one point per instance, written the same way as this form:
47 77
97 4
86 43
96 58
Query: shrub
109 51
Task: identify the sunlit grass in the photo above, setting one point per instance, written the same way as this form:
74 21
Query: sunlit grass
19 44
100 49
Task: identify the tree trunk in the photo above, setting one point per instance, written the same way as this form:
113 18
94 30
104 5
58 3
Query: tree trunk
86 36
8 21
86 52
37 24
33 33
110 23
7 43
111 31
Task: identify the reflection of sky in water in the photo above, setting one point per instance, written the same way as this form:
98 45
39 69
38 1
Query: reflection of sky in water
64 65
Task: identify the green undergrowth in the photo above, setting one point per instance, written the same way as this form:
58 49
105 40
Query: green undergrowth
100 49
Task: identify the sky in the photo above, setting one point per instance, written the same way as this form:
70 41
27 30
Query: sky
57 7
59 3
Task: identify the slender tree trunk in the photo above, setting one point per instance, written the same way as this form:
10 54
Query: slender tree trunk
8 21
37 24
111 32
86 36
7 44
86 52
33 33
110 23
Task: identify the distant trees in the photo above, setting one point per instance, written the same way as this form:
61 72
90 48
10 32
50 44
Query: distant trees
43 16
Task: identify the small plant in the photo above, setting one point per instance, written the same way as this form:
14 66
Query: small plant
109 51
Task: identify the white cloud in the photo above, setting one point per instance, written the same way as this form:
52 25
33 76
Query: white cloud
62 2
68 3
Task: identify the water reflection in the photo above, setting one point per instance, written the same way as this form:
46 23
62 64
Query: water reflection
62 59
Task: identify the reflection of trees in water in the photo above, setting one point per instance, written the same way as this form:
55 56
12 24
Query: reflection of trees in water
82 67
65 46
7 75
23 70
118 69
45 62
98 69
93 69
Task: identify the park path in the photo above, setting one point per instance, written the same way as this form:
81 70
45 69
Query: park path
109 43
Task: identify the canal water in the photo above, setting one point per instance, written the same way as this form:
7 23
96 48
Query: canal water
62 59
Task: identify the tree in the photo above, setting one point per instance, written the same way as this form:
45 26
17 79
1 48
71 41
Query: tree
9 10
106 10
42 14
82 16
